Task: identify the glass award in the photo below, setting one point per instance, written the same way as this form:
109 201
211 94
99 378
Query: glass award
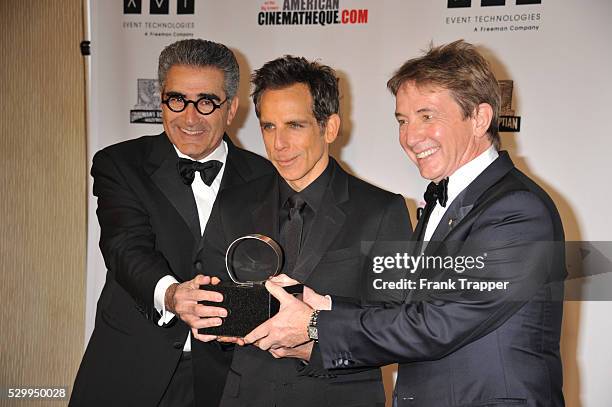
249 260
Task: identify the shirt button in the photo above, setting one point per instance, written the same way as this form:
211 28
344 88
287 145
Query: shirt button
198 265
178 345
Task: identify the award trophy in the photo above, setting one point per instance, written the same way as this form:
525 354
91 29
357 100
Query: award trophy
250 260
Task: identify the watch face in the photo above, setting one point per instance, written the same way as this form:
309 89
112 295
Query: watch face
313 332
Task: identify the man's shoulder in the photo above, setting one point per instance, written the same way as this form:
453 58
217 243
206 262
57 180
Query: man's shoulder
257 165
359 188
516 196
134 147
254 188
517 185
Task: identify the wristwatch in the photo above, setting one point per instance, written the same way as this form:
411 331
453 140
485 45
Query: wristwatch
313 332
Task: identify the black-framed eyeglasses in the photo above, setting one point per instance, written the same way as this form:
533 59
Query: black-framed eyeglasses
204 105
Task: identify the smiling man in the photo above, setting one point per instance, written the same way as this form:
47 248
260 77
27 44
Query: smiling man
456 346
328 222
155 195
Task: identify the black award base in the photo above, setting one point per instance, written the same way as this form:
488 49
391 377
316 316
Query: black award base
247 307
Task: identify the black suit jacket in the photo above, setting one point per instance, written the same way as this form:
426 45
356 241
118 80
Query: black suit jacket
353 221
459 347
149 228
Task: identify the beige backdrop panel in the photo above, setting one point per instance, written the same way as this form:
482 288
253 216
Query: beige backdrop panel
43 201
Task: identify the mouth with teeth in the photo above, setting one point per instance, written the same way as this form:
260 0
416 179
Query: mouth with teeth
427 153
192 132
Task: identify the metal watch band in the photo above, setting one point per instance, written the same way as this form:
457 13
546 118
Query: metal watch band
313 332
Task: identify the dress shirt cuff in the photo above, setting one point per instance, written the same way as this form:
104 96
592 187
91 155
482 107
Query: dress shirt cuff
159 297
331 303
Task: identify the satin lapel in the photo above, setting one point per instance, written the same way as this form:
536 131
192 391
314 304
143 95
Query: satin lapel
265 213
325 226
163 172
467 199
462 206
418 231
235 171
452 217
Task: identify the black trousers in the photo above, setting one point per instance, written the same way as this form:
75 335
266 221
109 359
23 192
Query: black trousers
179 392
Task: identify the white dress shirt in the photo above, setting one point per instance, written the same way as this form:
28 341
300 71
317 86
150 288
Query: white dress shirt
205 198
457 182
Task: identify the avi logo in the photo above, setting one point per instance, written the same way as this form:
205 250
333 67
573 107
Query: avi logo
508 122
488 3
158 6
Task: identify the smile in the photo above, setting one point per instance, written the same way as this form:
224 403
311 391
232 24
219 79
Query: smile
427 153
285 162
192 132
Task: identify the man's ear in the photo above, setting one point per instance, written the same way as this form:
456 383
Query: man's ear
483 114
232 110
332 127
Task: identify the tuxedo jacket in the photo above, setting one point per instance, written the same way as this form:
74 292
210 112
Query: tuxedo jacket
149 228
463 347
354 220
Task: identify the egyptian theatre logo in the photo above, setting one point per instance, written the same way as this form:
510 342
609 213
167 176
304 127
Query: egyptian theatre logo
148 101
508 122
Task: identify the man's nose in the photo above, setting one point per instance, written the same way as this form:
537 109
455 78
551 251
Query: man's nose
280 140
411 135
191 114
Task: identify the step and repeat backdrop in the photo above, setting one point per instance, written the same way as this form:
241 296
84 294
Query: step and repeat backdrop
552 59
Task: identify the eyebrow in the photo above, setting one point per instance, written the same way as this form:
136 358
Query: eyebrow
422 110
211 96
425 109
300 122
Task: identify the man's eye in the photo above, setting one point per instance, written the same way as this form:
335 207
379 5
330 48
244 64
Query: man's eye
295 125
176 99
427 117
267 126
401 122
206 102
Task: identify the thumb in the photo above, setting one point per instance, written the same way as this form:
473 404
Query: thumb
278 292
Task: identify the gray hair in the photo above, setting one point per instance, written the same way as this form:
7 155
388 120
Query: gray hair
201 53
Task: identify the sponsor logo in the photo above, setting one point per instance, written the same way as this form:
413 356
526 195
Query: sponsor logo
309 12
488 3
508 122
484 15
159 6
162 19
148 102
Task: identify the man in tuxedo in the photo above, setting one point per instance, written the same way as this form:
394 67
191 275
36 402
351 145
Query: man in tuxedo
457 345
327 221
155 195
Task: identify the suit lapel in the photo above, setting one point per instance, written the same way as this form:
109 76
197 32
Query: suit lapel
468 198
265 212
235 173
162 169
461 207
326 224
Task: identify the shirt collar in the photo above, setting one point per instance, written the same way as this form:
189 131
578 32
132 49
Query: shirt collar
464 176
219 153
313 193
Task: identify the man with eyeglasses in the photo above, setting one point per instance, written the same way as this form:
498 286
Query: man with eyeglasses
155 196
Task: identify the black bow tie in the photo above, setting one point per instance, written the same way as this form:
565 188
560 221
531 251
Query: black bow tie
437 192
208 170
